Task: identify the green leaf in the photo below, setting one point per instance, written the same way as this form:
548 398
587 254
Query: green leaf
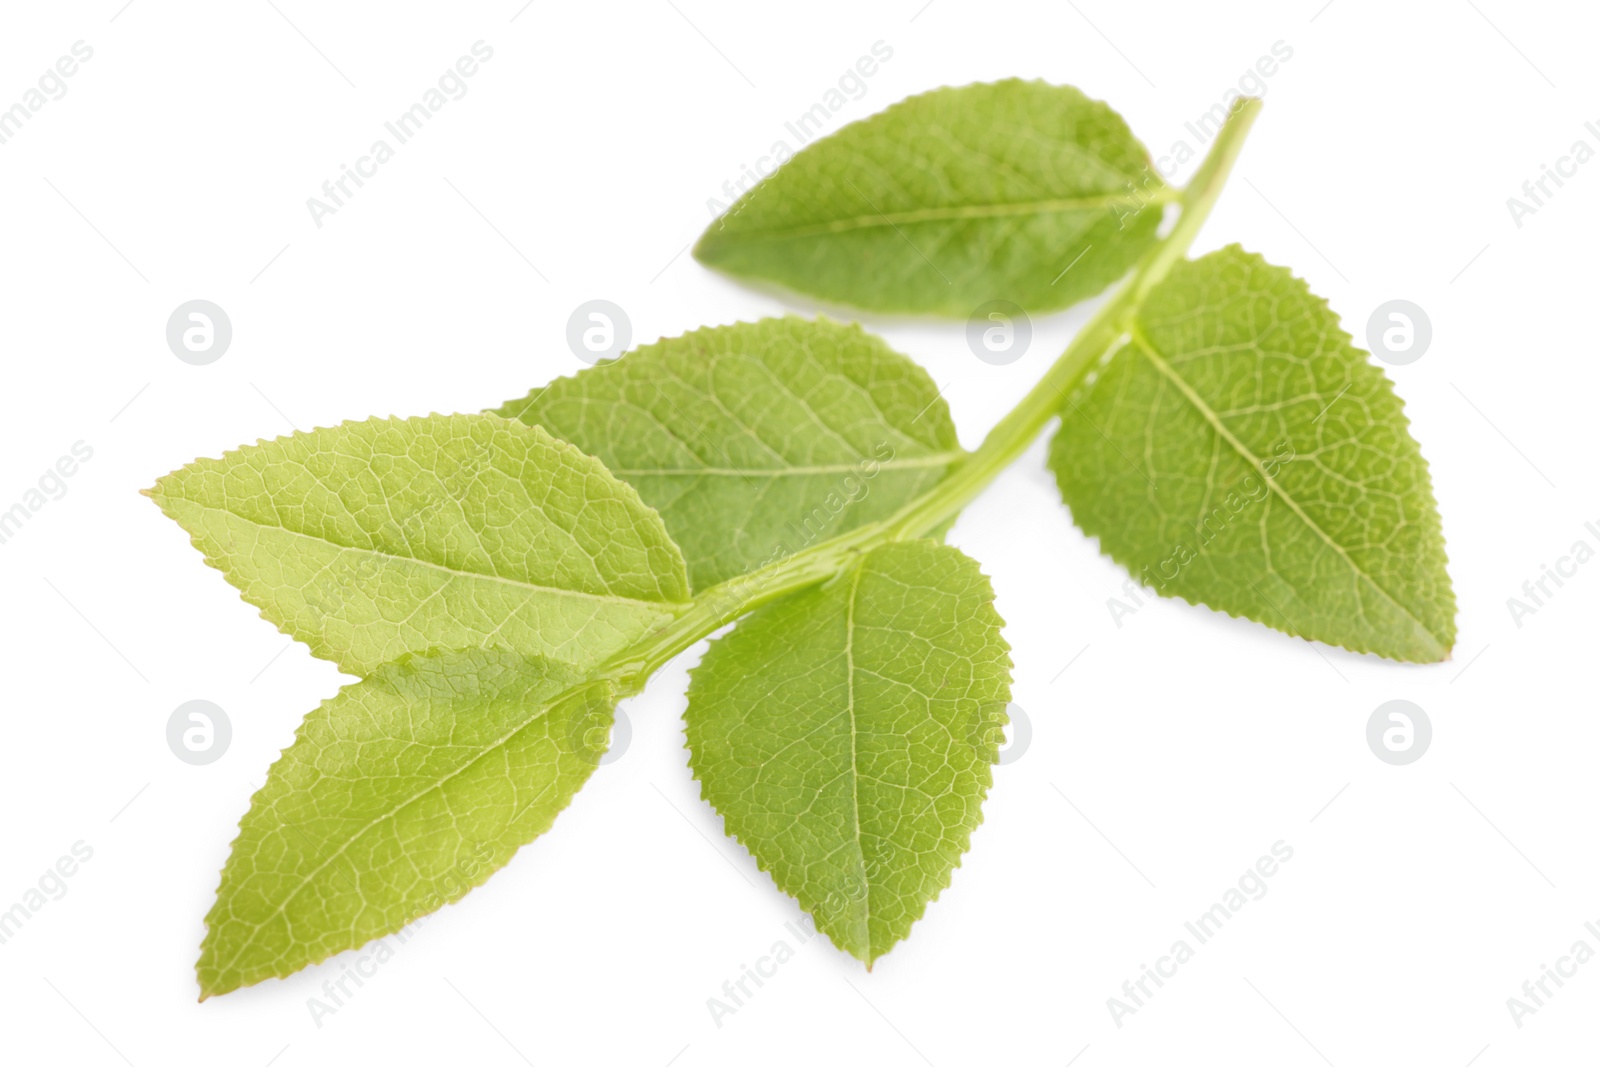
846 735
757 439
1238 451
377 538
398 796
1016 190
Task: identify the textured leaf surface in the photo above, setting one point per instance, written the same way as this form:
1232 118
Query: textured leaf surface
846 735
398 796
756 439
1240 452
1016 190
372 539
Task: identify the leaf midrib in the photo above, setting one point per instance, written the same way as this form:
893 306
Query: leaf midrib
949 213
937 459
610 598
1205 411
855 769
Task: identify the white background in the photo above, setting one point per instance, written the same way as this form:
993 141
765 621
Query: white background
1176 748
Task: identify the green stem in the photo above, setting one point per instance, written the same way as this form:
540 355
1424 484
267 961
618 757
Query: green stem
1011 436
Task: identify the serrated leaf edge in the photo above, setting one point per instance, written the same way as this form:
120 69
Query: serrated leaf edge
918 372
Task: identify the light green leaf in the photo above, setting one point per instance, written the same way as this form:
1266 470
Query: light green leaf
1016 190
398 796
757 439
846 735
377 538
1238 451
